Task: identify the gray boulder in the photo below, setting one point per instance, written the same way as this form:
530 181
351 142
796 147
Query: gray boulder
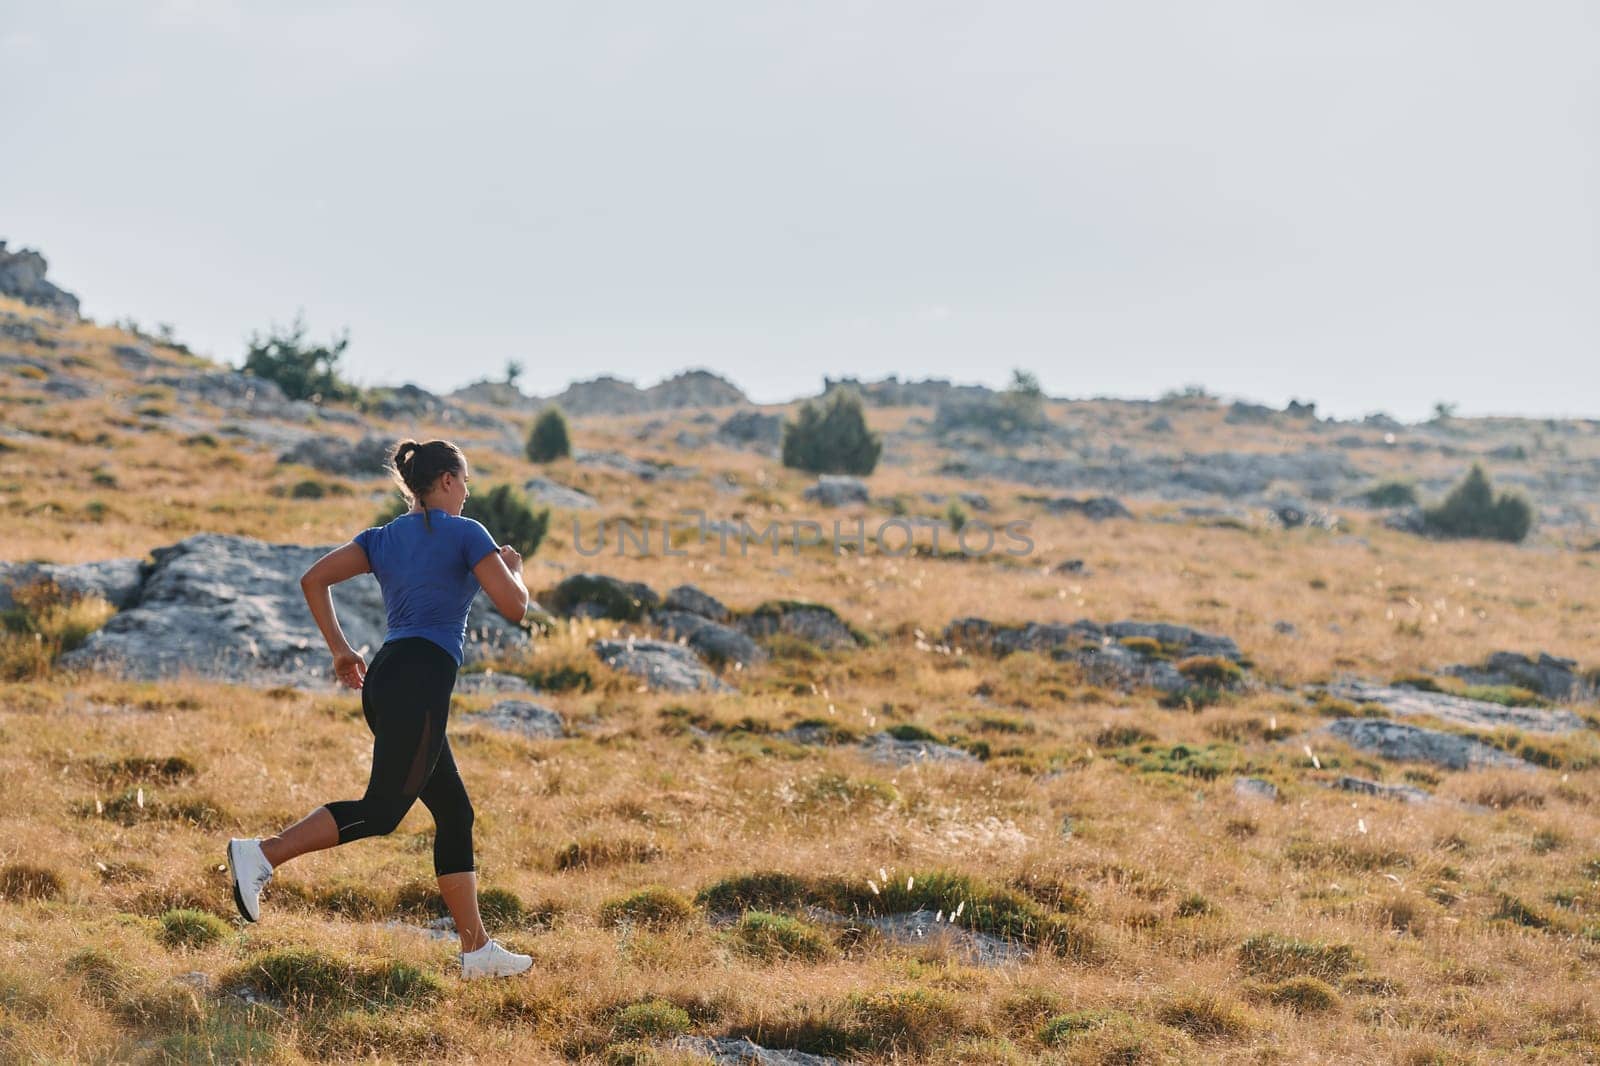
591 595
522 716
1404 793
114 580
1255 788
886 748
753 429
643 469
923 927
741 1051
555 494
661 664
814 622
1395 740
694 601
714 641
230 608
836 490
1100 649
336 455
1550 676
1098 508
22 276
1478 714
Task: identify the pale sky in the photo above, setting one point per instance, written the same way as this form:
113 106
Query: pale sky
1369 205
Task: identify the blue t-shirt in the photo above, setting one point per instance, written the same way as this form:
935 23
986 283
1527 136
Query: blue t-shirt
426 575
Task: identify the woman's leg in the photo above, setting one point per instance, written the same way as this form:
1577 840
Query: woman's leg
446 798
315 832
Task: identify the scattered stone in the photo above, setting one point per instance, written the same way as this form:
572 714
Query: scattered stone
335 455
1292 514
1097 508
114 580
837 490
591 595
884 747
714 641
491 682
555 494
1550 676
756 429
1255 788
921 927
663 665
814 622
741 1051
229 608
525 717
1478 714
1069 566
1405 793
694 601
134 357
1110 654
813 733
644 469
1283 628
1248 414
1395 740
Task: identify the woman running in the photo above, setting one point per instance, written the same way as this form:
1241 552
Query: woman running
429 562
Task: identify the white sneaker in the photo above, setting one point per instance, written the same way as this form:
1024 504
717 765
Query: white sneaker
492 960
251 871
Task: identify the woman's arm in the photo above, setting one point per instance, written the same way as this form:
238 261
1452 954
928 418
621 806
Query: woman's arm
341 564
499 574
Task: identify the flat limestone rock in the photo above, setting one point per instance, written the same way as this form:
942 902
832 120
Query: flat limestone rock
1396 740
229 608
882 747
114 580
1479 714
741 1051
663 665
525 717
923 926
1404 793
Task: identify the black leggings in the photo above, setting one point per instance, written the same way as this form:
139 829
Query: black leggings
406 700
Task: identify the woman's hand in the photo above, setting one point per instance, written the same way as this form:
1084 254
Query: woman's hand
350 668
512 557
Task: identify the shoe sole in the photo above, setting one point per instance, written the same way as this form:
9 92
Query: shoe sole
238 897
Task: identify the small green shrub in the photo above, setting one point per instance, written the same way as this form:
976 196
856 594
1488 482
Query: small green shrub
1390 494
653 1018
1278 958
188 928
594 851
505 513
1303 995
765 890
911 731
549 440
765 935
307 490
302 370
307 977
654 908
832 438
913 1019
1206 1015
1473 510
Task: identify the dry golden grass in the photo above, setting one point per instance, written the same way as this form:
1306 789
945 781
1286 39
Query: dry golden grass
1324 927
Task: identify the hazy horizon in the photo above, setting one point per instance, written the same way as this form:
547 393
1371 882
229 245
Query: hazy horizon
1370 208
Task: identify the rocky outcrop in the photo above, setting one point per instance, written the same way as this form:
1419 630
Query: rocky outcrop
22 277
837 490
742 1051
887 748
607 395
1126 654
662 665
230 608
1478 714
1234 475
892 392
362 458
643 469
1395 740
116 581
1550 676
921 927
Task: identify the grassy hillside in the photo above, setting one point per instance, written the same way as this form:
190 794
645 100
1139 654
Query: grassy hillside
1169 915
